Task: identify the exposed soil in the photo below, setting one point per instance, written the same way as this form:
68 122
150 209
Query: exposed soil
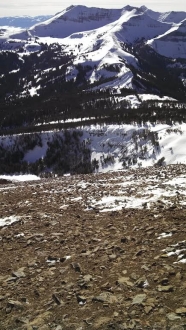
67 265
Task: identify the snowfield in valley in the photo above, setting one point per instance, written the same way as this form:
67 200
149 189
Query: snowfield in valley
115 147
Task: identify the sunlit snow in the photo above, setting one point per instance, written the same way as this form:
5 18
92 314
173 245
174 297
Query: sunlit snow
7 221
23 177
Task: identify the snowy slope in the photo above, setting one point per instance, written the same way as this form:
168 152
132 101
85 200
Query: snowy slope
117 141
101 47
140 26
172 43
103 40
115 145
130 22
173 17
75 19
167 17
7 31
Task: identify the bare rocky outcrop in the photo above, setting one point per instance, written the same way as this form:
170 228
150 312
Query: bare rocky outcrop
69 264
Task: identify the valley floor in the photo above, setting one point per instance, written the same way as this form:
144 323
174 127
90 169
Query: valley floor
97 251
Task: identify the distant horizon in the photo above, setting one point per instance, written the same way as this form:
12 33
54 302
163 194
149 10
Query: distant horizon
14 8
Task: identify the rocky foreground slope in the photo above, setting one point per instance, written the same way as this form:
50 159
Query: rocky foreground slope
105 251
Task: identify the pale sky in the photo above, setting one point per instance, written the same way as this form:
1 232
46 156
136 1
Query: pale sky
51 7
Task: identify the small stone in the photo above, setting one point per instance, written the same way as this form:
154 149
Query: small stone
132 324
112 257
173 316
14 303
156 278
124 240
76 267
2 298
179 276
81 300
56 299
22 320
12 279
105 298
181 311
163 256
8 310
166 288
44 327
87 278
164 281
116 314
139 253
134 276
145 267
59 327
19 274
161 311
138 299
141 283
148 309
124 280
124 272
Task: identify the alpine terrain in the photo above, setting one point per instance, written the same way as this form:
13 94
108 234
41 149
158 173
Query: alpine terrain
93 170
81 75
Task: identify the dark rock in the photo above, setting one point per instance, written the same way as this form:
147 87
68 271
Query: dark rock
164 282
141 282
124 240
76 267
56 299
14 304
81 299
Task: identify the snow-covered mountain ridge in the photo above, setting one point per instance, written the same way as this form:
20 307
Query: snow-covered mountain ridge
108 44
175 41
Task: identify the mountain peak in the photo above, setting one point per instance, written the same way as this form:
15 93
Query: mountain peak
70 7
75 19
143 8
129 8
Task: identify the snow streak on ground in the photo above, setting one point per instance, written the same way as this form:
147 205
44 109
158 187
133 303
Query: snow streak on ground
135 192
146 188
24 177
8 221
156 188
179 250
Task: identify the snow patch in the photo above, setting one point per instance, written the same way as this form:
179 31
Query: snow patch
7 221
25 177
